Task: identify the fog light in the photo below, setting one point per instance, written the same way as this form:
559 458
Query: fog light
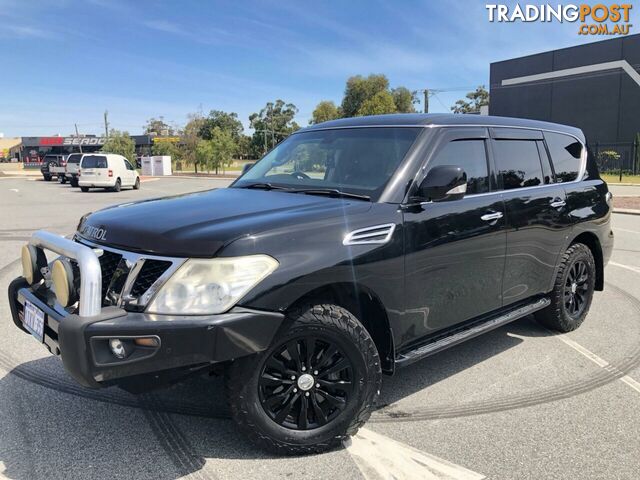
33 259
117 348
62 278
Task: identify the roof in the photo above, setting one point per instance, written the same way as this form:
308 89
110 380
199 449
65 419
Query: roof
442 119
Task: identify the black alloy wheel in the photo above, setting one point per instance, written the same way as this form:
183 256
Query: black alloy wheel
576 289
306 383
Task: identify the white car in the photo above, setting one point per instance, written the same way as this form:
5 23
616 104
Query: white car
107 170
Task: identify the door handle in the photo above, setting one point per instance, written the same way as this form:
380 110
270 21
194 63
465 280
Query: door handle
489 217
557 203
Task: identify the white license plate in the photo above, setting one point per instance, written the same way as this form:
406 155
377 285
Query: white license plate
34 320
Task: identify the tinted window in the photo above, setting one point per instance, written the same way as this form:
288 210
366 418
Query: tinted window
74 158
128 165
546 166
565 155
471 156
355 160
518 163
94 161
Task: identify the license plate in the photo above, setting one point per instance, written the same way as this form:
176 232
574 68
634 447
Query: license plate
34 320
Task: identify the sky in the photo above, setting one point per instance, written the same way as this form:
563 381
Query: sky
66 62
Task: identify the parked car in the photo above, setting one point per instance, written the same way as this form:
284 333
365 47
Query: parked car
52 166
72 168
355 247
107 170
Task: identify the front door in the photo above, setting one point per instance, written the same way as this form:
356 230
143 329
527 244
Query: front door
454 250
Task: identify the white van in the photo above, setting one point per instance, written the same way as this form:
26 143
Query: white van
107 170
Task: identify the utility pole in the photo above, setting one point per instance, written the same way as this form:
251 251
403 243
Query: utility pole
106 124
426 100
78 136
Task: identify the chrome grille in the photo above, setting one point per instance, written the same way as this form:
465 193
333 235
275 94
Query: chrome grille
150 272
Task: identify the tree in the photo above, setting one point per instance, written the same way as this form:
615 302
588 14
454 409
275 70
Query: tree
223 147
359 89
475 100
325 110
382 102
225 121
120 143
158 126
167 148
191 139
271 125
404 99
203 154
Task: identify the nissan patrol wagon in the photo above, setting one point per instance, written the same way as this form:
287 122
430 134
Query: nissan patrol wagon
353 248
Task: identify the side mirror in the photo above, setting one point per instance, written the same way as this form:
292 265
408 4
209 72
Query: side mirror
442 183
246 167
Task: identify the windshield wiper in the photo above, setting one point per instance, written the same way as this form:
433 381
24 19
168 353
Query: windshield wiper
331 192
264 186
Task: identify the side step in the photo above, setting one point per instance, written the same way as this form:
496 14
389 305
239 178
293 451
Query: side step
442 343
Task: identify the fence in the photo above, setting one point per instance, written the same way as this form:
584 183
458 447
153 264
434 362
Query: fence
619 159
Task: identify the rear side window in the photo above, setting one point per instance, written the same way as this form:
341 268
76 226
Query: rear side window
94 161
74 158
566 153
518 163
471 156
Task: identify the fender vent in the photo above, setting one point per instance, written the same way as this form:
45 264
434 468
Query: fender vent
377 234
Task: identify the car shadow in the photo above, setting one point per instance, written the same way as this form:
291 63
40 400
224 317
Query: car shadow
56 429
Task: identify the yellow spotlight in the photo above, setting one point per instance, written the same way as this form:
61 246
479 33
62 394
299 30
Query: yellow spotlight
62 278
33 259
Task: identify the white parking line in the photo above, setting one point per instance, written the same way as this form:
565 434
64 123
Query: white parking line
625 230
599 361
380 458
620 265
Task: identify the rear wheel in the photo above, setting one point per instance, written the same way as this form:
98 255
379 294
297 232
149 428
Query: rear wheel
313 387
573 290
47 178
74 182
62 179
84 189
117 186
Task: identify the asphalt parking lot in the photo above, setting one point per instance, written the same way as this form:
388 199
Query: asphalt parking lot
519 402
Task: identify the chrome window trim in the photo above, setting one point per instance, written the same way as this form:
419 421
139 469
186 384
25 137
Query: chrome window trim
136 262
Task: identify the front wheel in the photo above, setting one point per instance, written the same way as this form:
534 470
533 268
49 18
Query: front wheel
572 292
84 189
314 386
136 186
117 186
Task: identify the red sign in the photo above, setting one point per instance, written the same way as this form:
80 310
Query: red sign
51 140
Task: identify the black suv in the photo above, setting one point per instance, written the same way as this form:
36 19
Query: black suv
353 248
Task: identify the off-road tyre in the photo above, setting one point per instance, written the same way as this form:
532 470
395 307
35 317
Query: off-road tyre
243 379
84 189
117 186
557 316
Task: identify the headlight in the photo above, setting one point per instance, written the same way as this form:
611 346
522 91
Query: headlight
211 286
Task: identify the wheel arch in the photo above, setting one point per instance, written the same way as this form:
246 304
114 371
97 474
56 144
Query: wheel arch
593 243
366 306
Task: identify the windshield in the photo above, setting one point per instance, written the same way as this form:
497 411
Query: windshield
74 158
353 160
94 161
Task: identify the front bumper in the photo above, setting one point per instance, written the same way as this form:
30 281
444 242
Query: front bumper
184 343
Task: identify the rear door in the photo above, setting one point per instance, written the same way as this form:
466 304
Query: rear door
454 250
94 168
536 211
